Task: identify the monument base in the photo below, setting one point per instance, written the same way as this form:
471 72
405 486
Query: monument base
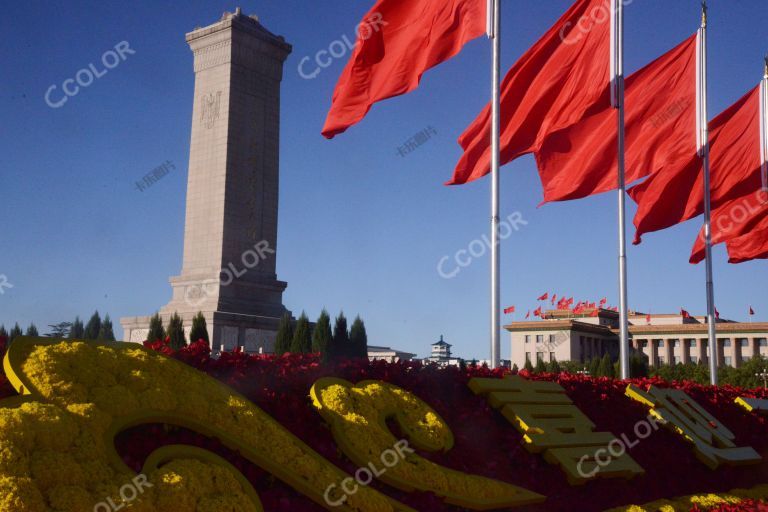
255 334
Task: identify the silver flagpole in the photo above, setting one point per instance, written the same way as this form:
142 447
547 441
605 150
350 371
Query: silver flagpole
764 130
617 99
703 144
494 26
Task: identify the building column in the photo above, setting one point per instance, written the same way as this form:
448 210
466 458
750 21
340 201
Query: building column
670 351
755 347
653 353
685 351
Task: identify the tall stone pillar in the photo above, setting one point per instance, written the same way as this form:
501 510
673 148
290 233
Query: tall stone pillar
230 235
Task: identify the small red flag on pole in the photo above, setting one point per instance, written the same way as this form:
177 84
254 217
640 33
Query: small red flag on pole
544 297
528 314
510 309
684 313
751 311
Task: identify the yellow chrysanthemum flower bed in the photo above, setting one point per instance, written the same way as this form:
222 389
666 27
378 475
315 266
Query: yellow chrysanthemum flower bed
57 440
358 415
704 501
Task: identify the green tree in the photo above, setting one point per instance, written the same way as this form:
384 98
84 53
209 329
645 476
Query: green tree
199 329
93 327
106 332
32 330
554 367
156 330
176 333
284 335
358 339
77 331
528 366
541 367
515 369
302 336
594 367
340 344
606 366
15 333
321 336
3 332
60 330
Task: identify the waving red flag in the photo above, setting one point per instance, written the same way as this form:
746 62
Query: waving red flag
751 311
684 313
737 218
398 41
528 314
554 298
544 297
538 312
753 246
561 77
510 309
669 198
660 100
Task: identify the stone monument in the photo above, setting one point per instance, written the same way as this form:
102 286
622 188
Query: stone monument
230 236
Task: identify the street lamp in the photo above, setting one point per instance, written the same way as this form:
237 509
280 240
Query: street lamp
763 375
585 372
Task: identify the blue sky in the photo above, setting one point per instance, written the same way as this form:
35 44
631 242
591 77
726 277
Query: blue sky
362 228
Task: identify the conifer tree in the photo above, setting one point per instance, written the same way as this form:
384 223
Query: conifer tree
541 367
176 333
156 330
32 330
594 367
358 339
3 332
284 335
302 336
554 367
106 332
340 345
515 369
199 329
606 366
15 333
321 336
77 332
93 327
528 366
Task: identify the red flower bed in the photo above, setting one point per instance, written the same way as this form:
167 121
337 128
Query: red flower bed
485 443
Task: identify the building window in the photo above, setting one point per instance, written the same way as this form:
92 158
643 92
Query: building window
762 342
675 360
728 360
551 339
661 360
644 343
539 338
551 357
660 343
676 343
694 359
692 343
539 356
528 357
527 338
726 342
743 342
746 358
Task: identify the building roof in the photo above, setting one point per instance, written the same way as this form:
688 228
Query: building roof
724 328
442 343
558 325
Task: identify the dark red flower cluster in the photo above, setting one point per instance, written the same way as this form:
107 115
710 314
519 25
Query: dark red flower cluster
485 443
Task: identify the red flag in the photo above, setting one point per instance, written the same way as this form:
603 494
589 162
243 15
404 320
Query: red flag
603 301
569 301
582 160
510 309
684 313
554 298
751 311
668 198
397 43
544 297
736 218
562 76
538 312
648 319
528 314
753 246
595 313
717 314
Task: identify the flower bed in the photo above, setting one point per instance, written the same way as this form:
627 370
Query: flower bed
484 442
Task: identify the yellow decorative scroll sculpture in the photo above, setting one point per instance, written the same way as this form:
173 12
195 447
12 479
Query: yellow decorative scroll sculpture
57 439
758 405
712 441
358 414
551 424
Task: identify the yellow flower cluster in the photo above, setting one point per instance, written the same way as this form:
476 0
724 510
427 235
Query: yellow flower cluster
57 442
358 415
704 501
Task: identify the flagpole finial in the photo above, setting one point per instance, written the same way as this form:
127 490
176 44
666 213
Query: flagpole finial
704 10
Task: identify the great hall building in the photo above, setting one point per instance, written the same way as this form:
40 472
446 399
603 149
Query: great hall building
663 340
